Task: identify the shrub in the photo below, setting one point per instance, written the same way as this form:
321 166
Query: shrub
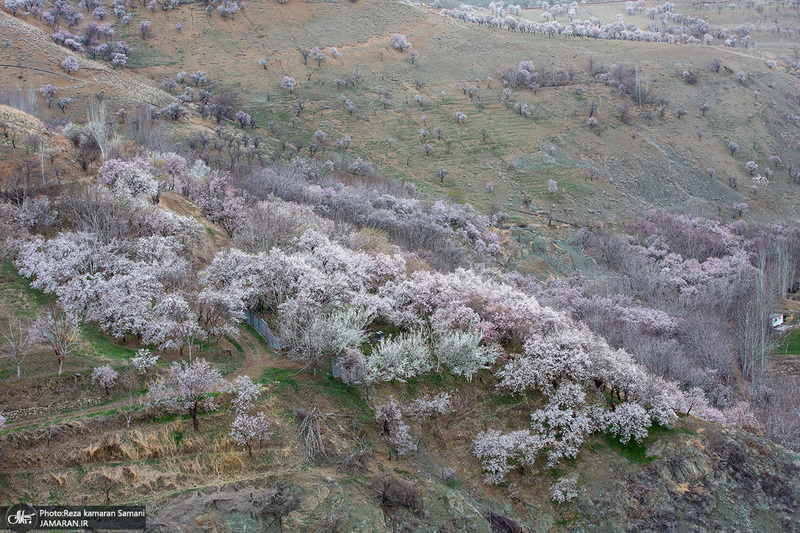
393 493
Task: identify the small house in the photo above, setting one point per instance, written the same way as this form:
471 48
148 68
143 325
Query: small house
776 319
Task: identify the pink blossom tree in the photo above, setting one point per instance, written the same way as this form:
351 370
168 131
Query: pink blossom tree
400 42
70 64
49 92
243 118
144 28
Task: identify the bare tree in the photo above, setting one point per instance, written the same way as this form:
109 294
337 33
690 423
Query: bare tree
97 123
58 330
752 320
17 343
106 479
624 110
128 410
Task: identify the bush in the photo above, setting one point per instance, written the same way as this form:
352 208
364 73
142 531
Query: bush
502 524
280 504
691 77
393 493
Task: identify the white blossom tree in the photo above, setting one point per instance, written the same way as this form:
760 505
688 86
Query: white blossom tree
629 420
565 489
405 356
350 367
144 360
220 312
564 422
245 393
288 83
428 406
390 416
175 326
500 452
105 376
462 353
249 430
189 387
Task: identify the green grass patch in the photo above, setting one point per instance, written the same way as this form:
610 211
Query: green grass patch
790 344
346 395
281 377
633 451
261 340
505 399
102 345
235 343
636 452
168 417
177 437
226 360
17 294
457 195
262 459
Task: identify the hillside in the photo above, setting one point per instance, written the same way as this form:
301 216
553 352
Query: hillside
463 269
646 161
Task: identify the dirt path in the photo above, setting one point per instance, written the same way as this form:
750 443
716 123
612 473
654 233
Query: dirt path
258 357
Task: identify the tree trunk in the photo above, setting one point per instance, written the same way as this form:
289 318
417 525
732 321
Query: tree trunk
195 422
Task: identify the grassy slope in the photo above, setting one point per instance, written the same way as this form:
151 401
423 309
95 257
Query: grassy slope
643 163
651 163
